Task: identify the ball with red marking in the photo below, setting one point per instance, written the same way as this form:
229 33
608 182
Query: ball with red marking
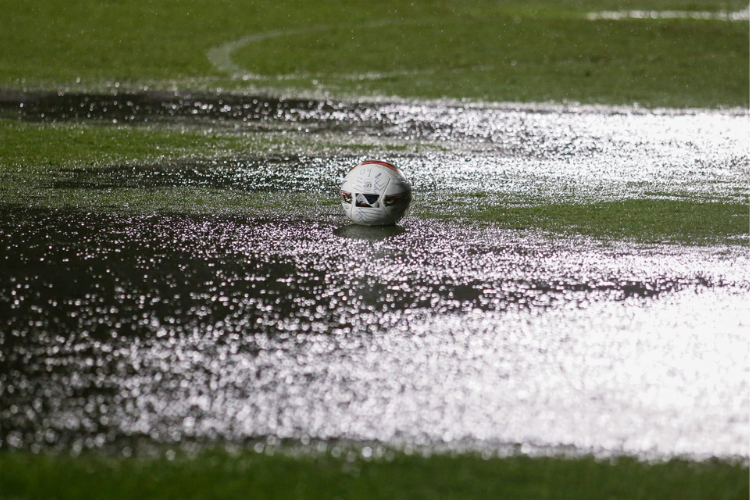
375 193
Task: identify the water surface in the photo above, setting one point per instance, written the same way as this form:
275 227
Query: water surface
165 327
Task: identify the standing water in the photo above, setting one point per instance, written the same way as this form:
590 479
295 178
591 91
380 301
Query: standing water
119 329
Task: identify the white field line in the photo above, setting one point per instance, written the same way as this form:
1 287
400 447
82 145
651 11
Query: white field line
742 15
221 57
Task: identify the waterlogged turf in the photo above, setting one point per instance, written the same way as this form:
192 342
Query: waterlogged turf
179 328
536 299
519 152
656 176
177 274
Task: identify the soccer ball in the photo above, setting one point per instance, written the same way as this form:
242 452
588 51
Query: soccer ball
375 193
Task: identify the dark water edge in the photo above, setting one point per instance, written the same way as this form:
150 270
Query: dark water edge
149 106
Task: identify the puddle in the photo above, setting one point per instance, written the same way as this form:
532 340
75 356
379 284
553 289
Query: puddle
160 106
272 173
368 233
222 328
535 151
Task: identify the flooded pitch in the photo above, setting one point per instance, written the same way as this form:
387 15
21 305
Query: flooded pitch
528 153
118 329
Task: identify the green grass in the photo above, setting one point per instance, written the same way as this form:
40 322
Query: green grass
495 58
518 51
659 220
219 475
30 145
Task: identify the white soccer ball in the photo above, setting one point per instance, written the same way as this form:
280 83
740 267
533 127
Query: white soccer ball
375 193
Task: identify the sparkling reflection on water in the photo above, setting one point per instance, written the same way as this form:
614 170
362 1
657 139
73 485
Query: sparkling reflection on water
522 150
117 329
194 328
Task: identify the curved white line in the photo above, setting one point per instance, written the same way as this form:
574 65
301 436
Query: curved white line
221 57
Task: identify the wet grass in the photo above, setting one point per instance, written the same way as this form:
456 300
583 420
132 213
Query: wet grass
519 51
641 220
684 221
500 58
248 475
36 159
27 146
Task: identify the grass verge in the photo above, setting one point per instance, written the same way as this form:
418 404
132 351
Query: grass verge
219 475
